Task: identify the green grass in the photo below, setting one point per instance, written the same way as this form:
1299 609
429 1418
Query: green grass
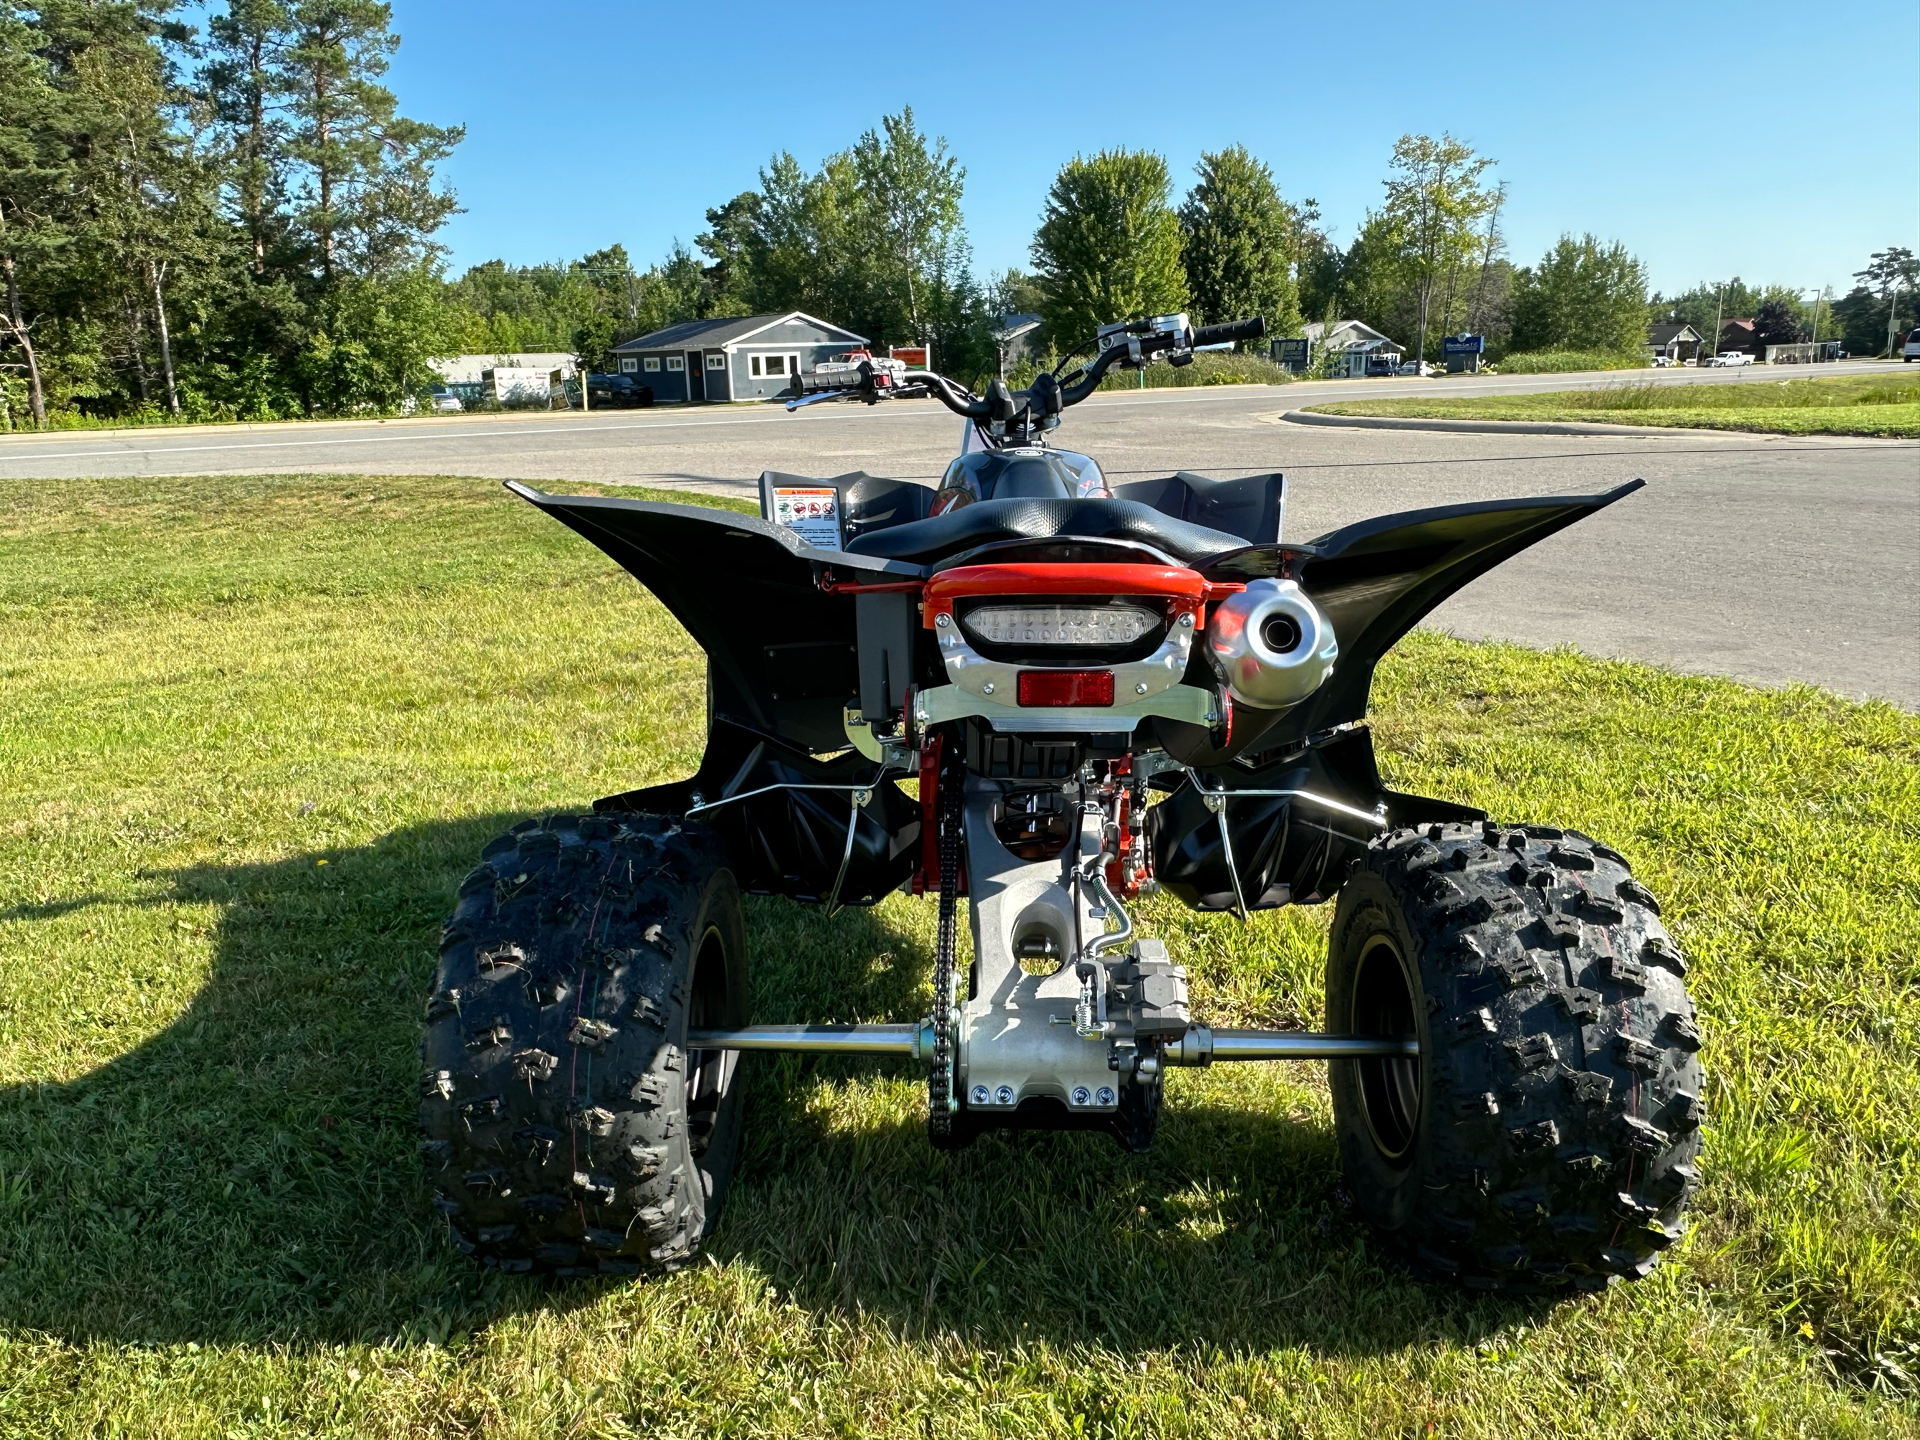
252 733
1878 405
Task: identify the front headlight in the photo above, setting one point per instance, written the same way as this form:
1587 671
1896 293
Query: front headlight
1064 625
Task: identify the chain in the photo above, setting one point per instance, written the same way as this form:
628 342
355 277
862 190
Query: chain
947 820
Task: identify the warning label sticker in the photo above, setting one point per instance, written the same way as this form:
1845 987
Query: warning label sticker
811 512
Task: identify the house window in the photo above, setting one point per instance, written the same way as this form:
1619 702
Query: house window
676 362
763 365
628 364
716 360
653 362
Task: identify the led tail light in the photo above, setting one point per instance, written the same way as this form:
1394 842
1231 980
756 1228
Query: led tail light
1066 687
1041 624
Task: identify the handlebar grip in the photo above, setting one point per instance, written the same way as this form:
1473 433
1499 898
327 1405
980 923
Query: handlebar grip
1234 330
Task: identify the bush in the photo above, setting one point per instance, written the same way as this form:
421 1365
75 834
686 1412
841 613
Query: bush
1554 362
1209 368
1212 367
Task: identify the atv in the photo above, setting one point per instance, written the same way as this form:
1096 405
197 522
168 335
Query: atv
1099 690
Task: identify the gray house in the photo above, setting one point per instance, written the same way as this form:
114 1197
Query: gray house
752 357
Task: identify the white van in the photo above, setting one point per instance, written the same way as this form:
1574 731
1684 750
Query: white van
1911 350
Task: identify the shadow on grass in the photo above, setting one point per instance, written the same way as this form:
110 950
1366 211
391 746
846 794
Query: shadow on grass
251 1174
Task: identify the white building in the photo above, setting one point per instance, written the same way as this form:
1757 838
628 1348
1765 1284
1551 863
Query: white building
465 369
1365 350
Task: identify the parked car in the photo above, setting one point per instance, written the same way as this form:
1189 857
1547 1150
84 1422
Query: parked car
1911 350
617 391
442 400
1730 357
1661 362
1418 367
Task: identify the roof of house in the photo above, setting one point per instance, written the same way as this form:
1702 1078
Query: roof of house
730 331
1348 335
1010 327
1730 323
1666 333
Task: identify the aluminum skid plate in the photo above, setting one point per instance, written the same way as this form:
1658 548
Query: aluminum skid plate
1017 1037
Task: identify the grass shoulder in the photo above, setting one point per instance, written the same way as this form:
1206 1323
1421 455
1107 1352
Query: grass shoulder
255 731
1886 406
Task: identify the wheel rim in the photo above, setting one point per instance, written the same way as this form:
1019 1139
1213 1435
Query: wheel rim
709 1072
1389 1087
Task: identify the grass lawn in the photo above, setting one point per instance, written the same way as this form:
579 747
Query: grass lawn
254 730
1879 405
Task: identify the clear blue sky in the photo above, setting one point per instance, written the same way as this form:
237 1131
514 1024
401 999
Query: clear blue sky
1778 142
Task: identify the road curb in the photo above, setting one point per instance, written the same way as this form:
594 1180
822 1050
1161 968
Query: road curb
1494 427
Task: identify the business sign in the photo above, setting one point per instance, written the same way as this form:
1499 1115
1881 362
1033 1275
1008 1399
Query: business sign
1464 344
1290 354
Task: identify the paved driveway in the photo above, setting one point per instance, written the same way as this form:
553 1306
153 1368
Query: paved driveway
1767 558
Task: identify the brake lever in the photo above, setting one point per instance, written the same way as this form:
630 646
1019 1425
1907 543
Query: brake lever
805 400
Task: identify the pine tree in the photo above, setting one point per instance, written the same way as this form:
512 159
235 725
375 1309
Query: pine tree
35 178
366 203
245 82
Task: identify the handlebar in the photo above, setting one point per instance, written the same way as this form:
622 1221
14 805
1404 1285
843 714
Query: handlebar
1233 330
1136 343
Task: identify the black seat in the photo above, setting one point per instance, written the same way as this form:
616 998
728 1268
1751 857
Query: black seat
923 542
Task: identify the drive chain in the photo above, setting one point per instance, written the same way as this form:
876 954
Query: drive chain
947 820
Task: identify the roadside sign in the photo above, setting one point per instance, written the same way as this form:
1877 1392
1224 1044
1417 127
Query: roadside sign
1290 354
1463 344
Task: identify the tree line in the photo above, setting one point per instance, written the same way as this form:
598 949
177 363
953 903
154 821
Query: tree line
238 222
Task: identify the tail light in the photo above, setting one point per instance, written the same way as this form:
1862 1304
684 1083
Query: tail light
1043 624
1066 687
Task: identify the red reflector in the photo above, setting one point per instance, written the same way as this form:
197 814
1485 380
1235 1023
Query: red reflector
1066 687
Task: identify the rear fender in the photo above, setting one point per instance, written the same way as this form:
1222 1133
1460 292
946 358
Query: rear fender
1375 581
781 654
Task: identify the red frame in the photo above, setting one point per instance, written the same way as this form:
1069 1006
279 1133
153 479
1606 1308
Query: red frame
1189 590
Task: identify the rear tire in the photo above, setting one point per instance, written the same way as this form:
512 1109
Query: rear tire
568 1128
1546 1136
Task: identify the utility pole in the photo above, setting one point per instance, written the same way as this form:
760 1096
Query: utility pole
1719 304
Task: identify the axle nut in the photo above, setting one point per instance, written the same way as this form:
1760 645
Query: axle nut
1081 1095
1004 1095
1105 1097
981 1095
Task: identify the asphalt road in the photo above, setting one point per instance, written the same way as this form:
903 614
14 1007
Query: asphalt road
1768 558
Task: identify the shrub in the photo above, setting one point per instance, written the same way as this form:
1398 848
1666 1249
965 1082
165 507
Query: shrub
1213 367
1554 362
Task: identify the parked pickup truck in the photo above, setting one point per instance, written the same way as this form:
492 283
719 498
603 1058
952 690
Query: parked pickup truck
1730 357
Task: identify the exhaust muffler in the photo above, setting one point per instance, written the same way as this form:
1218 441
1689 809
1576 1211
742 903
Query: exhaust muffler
1271 645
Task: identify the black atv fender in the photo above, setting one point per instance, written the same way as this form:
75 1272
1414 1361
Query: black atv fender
1375 580
782 656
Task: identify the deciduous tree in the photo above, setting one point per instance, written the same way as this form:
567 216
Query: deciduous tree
1583 295
909 189
1238 243
1434 201
1777 322
1108 246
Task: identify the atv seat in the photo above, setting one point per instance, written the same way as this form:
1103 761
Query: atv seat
924 542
